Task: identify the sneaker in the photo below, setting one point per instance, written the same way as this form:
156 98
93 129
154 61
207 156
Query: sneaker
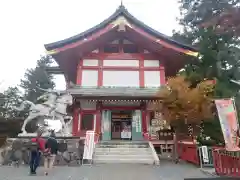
32 173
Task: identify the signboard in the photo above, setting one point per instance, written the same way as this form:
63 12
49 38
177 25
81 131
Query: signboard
204 152
106 125
138 124
126 134
88 146
229 123
121 116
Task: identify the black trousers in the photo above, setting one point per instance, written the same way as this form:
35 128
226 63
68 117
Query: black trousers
34 161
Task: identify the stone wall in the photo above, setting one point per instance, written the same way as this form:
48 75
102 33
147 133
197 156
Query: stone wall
15 150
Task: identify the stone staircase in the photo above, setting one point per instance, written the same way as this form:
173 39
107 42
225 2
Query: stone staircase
135 152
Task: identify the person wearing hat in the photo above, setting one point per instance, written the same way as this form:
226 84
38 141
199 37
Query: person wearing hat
37 148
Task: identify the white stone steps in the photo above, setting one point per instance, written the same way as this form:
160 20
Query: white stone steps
121 149
123 161
122 153
121 146
124 156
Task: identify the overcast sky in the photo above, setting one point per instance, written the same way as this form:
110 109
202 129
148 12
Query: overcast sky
26 25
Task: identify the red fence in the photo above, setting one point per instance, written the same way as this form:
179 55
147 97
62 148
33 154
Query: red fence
226 163
188 151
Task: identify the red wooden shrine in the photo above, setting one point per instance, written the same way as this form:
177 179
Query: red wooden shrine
117 67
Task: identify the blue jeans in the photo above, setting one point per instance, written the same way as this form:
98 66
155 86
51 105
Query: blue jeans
34 161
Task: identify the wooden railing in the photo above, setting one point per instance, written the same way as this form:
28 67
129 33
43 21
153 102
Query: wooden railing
187 151
226 163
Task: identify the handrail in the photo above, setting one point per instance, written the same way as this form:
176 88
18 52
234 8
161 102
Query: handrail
155 156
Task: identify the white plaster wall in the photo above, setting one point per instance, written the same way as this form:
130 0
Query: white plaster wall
86 105
151 63
121 63
90 62
121 78
152 78
89 77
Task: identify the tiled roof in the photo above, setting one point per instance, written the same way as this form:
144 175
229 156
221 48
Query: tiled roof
113 91
121 11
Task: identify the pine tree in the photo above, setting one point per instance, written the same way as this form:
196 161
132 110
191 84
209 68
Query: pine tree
10 98
37 77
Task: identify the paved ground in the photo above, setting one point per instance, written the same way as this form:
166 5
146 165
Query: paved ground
166 171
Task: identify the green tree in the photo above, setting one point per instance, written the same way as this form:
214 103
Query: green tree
37 77
219 53
195 12
10 98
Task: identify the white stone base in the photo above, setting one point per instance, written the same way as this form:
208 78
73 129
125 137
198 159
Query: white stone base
44 134
27 134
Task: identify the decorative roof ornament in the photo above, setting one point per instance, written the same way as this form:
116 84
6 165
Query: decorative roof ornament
121 5
122 22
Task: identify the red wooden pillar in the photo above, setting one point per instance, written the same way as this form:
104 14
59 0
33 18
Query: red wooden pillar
75 121
100 72
162 75
79 72
144 118
141 73
147 120
98 118
144 124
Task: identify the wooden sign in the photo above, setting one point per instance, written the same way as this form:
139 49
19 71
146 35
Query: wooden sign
121 116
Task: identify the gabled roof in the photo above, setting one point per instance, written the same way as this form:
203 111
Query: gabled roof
121 11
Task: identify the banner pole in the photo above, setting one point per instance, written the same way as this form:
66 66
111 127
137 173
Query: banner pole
235 107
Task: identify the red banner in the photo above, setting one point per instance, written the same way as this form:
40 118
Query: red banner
229 123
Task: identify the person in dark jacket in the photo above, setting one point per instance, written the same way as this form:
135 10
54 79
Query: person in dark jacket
51 150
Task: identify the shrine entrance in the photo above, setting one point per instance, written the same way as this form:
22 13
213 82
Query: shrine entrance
121 125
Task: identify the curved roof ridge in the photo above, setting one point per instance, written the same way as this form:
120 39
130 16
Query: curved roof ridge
121 10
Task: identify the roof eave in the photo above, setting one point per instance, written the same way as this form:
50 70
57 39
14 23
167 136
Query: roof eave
120 11
77 37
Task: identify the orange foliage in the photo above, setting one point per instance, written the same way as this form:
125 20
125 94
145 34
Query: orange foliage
181 101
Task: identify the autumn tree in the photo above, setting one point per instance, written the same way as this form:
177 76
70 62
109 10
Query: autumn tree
182 102
218 52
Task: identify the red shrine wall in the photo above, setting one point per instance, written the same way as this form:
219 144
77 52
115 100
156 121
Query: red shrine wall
101 69
143 69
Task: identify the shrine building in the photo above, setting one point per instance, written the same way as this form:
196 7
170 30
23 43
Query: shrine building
117 67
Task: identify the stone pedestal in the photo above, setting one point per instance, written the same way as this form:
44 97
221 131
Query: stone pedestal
16 150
